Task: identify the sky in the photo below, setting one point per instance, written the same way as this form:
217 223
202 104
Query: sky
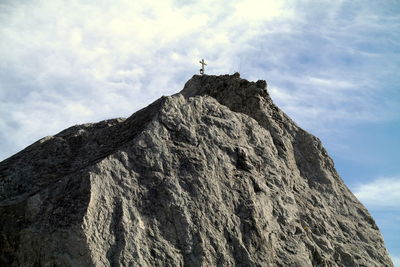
332 66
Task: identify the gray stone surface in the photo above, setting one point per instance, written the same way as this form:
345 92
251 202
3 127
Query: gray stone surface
215 175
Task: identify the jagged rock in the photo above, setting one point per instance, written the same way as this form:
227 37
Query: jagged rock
215 175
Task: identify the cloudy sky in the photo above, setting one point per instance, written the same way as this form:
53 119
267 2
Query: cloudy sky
333 66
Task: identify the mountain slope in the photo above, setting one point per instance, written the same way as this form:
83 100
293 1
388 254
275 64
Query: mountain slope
215 175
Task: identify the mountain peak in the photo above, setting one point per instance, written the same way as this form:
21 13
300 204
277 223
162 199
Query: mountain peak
222 85
216 175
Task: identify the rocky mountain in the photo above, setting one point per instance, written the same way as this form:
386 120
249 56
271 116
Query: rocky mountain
215 175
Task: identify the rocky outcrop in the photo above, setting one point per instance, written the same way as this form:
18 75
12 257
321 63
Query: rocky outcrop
215 175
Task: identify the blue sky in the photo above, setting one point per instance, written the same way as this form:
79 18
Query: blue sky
331 65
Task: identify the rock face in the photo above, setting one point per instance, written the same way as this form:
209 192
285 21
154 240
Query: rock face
215 175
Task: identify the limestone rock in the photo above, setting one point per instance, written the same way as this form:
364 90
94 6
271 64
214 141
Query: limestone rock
215 175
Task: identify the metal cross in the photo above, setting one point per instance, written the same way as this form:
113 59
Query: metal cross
202 66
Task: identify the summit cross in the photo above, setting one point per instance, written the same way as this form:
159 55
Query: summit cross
202 66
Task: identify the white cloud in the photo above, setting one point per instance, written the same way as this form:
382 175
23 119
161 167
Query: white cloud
396 260
256 10
380 193
331 83
382 197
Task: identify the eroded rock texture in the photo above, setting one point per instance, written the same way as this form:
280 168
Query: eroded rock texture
215 175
